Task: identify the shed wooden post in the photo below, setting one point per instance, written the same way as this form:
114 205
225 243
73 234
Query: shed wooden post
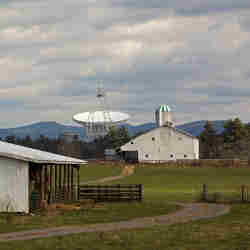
72 182
78 183
60 178
51 182
46 196
41 182
68 182
55 181
64 178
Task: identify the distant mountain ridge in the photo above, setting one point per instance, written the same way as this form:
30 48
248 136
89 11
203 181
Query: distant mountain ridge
49 129
53 129
196 128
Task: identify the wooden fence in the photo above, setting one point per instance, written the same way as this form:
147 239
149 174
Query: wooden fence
117 192
240 194
216 163
62 195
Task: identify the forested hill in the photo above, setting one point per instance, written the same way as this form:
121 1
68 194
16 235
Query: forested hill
195 128
54 129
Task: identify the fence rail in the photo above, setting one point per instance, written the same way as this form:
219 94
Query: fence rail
217 163
132 192
240 194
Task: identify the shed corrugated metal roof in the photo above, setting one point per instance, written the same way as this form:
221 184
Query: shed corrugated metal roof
13 151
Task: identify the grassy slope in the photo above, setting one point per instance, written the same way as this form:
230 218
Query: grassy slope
185 184
110 212
94 170
231 231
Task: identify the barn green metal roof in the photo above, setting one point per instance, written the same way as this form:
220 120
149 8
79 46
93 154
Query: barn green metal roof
164 108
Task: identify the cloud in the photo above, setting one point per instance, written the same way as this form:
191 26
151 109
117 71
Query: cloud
192 7
192 55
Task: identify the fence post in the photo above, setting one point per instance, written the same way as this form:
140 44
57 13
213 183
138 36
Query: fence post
119 192
247 193
204 192
243 191
140 192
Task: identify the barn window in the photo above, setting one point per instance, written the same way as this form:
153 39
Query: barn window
146 155
171 155
153 139
185 156
180 138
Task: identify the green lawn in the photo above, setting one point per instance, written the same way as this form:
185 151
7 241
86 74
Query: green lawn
102 213
185 184
108 212
94 170
163 185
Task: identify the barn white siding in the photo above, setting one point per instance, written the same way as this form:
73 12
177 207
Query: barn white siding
14 187
164 144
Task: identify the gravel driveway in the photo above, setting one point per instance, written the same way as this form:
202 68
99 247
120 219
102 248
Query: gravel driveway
190 212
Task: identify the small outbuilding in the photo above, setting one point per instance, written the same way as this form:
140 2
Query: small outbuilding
163 143
29 176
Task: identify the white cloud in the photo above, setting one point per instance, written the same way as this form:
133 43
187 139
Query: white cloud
30 34
192 55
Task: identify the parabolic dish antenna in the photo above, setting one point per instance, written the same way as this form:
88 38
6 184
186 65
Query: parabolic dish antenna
100 117
98 123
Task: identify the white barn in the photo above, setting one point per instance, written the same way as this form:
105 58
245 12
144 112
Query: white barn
163 143
22 168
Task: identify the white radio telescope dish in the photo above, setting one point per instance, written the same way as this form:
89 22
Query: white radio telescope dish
97 123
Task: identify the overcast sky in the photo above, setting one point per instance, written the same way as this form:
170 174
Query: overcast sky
193 55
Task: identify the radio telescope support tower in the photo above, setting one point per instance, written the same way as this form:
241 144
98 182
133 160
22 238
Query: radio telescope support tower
97 123
102 101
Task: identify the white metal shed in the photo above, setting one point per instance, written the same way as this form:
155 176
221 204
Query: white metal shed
50 173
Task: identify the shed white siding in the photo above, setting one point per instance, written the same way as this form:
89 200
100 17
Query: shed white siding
164 144
14 187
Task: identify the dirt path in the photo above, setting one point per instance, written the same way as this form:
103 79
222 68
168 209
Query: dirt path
191 212
125 173
106 179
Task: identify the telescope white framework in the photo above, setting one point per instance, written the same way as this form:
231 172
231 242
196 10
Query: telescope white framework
98 123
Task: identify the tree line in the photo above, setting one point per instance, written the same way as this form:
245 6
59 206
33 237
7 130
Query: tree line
115 138
233 142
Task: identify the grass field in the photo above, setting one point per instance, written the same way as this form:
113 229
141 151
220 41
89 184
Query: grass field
93 171
107 212
185 184
227 232
102 213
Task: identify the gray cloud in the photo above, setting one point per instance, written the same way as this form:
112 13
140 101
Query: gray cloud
192 7
192 55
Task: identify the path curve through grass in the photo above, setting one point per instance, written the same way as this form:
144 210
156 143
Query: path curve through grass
105 179
108 179
191 212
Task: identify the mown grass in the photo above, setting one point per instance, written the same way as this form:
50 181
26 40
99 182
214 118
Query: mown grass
102 213
227 232
108 212
94 171
185 184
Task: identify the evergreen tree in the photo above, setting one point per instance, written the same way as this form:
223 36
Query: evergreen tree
10 139
235 139
116 137
234 131
208 141
27 141
123 136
